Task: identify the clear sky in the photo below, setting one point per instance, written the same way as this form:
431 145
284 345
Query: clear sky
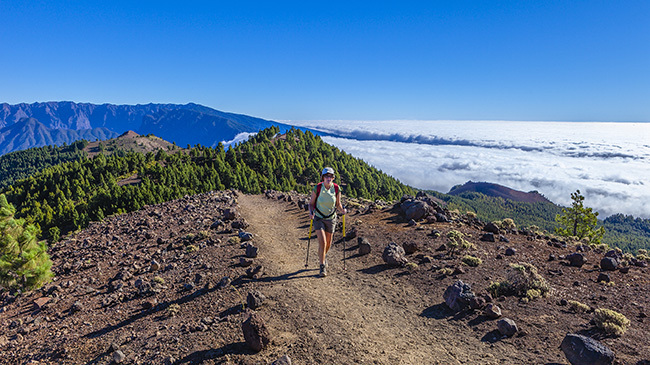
505 60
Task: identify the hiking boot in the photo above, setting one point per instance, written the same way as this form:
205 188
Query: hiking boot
323 270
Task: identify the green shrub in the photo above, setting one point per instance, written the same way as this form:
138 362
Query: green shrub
24 262
610 321
470 215
411 266
234 240
471 261
578 307
522 281
158 280
445 271
457 242
642 251
192 248
508 223
173 309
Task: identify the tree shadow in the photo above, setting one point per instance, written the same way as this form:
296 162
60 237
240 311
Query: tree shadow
288 276
198 357
375 269
145 313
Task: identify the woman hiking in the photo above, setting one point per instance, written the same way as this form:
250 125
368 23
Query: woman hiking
325 201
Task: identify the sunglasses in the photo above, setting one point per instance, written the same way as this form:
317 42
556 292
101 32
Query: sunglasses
329 175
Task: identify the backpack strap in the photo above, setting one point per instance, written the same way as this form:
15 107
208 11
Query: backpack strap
318 189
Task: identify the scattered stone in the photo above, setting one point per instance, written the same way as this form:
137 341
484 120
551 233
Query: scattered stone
503 239
458 296
394 255
488 237
609 263
412 223
255 272
245 236
551 257
245 262
624 269
239 224
118 357
41 302
477 303
351 234
510 251
155 266
491 228
230 214
224 282
251 251
492 311
76 307
364 246
284 360
603 277
255 299
149 304
256 334
411 247
113 347
507 327
218 223
188 286
441 218
583 350
576 259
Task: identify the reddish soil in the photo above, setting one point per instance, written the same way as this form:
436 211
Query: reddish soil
108 294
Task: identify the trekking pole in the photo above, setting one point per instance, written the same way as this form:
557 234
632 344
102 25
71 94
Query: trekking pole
344 239
311 222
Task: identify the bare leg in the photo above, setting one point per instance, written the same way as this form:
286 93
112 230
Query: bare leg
321 245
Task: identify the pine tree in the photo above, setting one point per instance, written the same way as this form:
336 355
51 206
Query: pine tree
24 262
579 221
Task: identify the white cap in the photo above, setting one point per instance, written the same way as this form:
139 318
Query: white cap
327 170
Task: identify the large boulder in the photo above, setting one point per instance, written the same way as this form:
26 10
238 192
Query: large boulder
576 259
609 263
416 210
492 228
458 296
394 255
256 334
583 350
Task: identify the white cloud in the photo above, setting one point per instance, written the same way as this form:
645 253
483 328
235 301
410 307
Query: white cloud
607 162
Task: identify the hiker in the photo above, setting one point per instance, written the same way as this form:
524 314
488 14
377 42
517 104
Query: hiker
325 201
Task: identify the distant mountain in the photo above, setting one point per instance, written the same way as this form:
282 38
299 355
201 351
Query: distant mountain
183 124
29 132
499 191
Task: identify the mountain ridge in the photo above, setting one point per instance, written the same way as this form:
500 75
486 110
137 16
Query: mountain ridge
181 123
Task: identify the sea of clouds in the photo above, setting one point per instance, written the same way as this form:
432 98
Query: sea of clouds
608 162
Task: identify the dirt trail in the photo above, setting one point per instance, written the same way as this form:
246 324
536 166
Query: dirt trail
351 316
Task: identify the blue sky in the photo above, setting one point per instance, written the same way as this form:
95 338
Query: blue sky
499 60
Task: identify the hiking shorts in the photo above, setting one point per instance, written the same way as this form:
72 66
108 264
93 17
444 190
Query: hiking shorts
326 225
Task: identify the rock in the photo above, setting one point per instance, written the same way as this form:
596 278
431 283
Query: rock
603 277
245 262
491 228
477 303
412 223
458 296
415 209
441 218
364 246
393 255
507 327
255 299
224 282
218 223
239 224
612 253
230 214
245 236
488 237
624 269
583 350
76 307
118 357
255 272
503 239
41 302
576 259
284 360
551 257
352 233
411 247
154 266
492 311
510 251
609 263
113 347
256 334
251 251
